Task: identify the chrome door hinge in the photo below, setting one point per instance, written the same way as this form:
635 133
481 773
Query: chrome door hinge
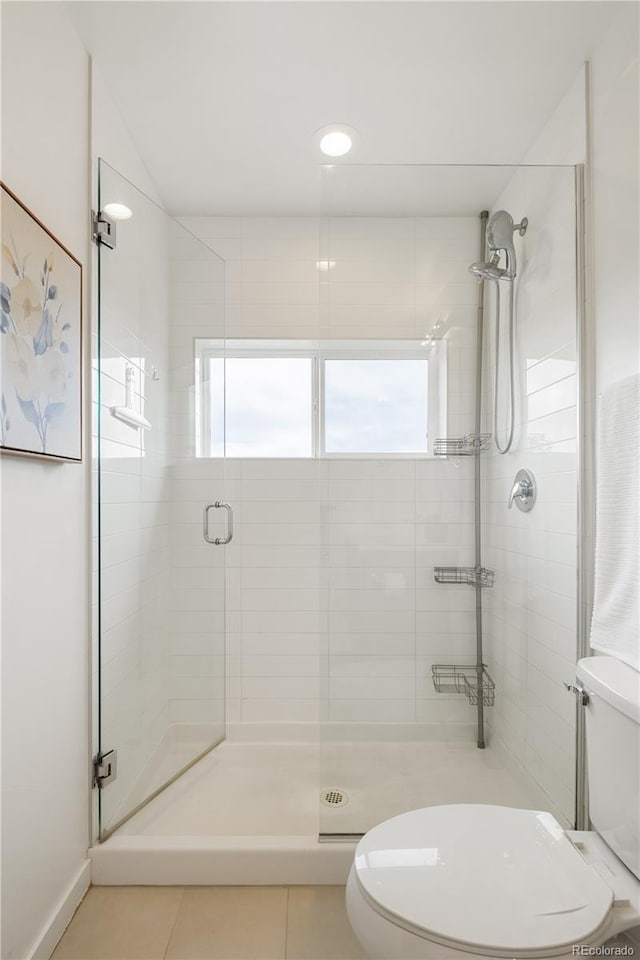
105 768
579 693
103 230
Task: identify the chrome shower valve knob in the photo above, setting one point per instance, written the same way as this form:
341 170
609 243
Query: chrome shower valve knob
523 492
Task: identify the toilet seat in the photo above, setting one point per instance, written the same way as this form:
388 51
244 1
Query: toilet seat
483 879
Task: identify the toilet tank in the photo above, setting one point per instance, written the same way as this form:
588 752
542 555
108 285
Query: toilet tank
613 754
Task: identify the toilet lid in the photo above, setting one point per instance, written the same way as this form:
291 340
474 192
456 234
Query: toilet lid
494 878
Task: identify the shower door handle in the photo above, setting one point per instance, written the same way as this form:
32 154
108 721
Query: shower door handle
219 504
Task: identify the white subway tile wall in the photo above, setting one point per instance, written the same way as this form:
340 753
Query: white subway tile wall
332 611
530 614
324 605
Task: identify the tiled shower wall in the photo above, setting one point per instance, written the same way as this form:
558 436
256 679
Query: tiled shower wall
530 614
331 606
387 619
197 622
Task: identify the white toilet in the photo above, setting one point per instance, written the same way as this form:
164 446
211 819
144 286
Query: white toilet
473 880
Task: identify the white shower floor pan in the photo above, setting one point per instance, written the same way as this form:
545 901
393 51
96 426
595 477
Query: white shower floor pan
250 813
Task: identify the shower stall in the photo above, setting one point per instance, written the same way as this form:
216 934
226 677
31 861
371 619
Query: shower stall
315 607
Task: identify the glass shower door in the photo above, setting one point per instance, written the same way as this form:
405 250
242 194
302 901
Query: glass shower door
430 577
161 534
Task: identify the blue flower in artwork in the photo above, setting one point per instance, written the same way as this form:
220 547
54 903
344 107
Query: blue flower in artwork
29 411
54 411
44 337
5 423
5 307
52 293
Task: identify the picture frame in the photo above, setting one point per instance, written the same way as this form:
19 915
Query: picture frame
41 339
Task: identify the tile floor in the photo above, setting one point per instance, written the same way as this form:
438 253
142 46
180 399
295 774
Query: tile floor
210 923
219 923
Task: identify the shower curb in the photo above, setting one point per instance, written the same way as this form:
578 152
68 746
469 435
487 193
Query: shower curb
196 860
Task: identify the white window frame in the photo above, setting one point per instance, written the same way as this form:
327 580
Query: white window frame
434 352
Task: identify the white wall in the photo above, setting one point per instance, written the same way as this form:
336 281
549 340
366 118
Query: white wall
615 190
530 618
615 165
530 614
111 140
45 583
331 606
563 138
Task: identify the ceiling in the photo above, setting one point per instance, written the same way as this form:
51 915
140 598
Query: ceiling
223 98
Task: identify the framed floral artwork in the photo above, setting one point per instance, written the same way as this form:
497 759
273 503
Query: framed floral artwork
40 339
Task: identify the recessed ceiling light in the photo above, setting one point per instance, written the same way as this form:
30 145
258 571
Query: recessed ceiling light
336 143
119 211
336 139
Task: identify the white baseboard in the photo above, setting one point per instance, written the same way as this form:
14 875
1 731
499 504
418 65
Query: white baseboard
61 916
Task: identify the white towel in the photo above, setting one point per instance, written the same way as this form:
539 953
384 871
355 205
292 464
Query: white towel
615 628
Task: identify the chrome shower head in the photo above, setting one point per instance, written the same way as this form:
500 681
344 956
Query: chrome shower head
500 232
488 270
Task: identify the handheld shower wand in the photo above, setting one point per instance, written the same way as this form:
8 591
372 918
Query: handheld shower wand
500 231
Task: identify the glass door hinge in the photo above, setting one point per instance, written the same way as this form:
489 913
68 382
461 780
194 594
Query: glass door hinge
105 768
103 230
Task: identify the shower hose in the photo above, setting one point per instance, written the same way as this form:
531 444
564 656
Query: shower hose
496 396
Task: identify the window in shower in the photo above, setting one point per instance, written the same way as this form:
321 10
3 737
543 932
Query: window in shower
376 405
308 399
260 406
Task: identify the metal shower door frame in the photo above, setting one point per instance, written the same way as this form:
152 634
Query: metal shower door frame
585 434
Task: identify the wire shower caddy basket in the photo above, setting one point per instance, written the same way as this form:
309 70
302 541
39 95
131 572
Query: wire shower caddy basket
473 683
469 446
473 576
